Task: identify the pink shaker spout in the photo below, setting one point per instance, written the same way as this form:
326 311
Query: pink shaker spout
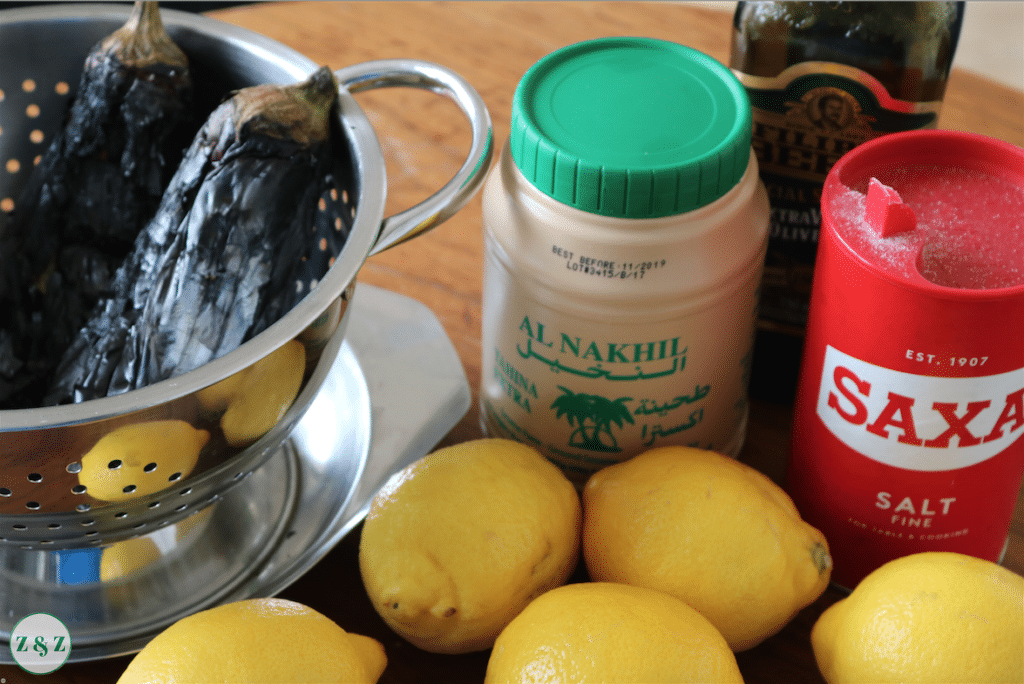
885 211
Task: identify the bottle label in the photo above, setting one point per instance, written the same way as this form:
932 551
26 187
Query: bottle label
921 423
895 463
589 393
804 120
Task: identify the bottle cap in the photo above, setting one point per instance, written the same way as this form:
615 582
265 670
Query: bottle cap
631 127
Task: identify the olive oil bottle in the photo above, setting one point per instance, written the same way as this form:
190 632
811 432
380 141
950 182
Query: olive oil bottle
824 77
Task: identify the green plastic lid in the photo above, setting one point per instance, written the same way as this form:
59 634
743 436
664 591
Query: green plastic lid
631 127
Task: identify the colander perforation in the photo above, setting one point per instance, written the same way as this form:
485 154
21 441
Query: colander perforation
35 109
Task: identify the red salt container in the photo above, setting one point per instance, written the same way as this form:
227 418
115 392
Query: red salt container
908 429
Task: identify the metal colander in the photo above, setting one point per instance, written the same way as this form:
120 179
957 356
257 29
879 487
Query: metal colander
44 504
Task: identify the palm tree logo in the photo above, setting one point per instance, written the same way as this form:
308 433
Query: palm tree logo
592 416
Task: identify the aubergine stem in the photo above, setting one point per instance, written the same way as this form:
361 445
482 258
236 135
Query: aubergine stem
298 112
143 42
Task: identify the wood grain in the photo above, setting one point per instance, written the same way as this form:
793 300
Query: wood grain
424 139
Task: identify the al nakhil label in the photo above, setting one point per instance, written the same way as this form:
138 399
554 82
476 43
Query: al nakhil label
594 405
588 393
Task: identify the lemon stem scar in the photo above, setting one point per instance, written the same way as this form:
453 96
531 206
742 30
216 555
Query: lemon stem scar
822 559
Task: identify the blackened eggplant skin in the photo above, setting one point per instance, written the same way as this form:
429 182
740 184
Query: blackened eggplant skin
219 261
96 186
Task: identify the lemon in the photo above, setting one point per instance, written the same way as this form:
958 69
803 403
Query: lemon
926 617
255 398
608 633
256 641
121 561
217 396
125 558
140 459
457 543
712 531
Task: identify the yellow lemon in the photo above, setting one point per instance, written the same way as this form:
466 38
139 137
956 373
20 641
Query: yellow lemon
121 561
217 396
140 459
254 399
257 641
457 543
710 530
927 617
610 633
125 558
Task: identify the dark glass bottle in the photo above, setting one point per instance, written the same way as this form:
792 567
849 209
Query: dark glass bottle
824 77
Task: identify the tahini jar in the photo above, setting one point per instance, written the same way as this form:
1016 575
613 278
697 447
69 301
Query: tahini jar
625 229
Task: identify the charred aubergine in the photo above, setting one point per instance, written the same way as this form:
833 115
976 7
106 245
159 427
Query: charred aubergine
96 186
219 261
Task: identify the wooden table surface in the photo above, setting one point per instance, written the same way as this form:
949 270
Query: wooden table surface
424 138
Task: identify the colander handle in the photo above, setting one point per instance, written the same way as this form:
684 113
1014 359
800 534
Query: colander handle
442 205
